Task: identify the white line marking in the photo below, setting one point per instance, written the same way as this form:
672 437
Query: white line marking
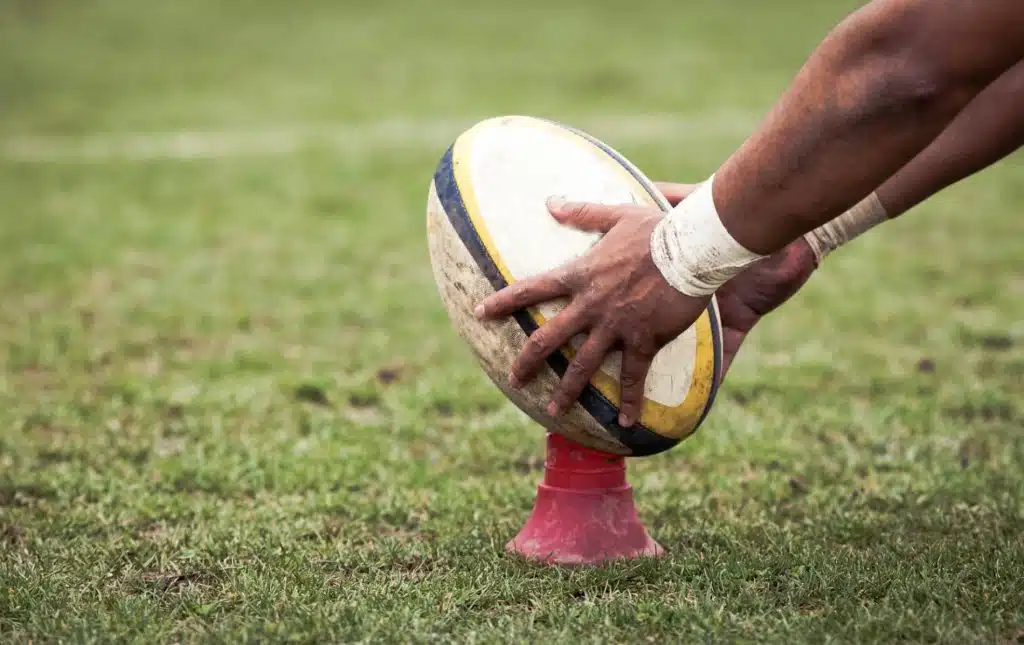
393 134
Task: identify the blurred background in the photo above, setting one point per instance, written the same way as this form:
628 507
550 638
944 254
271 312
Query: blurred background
103 65
230 399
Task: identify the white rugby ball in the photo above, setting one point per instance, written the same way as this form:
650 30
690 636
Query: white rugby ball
488 226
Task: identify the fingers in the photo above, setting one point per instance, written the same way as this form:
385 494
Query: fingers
582 367
631 380
545 341
522 294
586 216
675 193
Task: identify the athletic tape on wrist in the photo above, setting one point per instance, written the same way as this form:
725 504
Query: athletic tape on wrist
692 248
828 237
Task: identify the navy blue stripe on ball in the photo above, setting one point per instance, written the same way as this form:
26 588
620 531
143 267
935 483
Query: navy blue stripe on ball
640 440
450 197
451 200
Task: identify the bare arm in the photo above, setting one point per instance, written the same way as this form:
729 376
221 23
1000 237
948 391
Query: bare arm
878 90
875 93
990 128
987 130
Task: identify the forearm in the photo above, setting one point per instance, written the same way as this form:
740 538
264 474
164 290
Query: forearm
990 128
877 91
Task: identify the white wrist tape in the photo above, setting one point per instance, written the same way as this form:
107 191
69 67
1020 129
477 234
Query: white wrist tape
828 237
692 249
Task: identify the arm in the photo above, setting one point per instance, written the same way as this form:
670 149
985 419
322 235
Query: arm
987 130
990 128
874 94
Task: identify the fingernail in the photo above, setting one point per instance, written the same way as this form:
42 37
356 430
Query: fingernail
513 382
479 311
553 409
556 202
625 421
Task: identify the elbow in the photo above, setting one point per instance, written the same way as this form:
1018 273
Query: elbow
908 85
887 65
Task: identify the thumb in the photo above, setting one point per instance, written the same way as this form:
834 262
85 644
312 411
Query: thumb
675 193
586 216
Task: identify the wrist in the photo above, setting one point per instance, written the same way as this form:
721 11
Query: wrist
692 248
859 219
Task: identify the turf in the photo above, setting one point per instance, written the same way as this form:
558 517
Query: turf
233 409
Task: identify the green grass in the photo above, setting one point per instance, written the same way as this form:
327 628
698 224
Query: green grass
232 407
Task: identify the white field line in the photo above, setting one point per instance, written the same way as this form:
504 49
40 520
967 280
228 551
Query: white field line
396 134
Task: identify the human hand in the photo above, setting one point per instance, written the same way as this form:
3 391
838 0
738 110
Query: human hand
758 290
617 296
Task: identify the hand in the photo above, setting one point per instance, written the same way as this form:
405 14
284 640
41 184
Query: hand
759 290
616 295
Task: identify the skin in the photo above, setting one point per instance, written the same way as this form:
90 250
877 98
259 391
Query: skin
874 95
759 290
990 128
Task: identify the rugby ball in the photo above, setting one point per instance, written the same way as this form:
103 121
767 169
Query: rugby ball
488 226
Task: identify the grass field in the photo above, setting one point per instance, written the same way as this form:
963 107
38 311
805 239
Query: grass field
232 407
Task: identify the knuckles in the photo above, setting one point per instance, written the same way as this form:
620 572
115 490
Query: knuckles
570 277
537 344
575 373
640 342
628 382
579 210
